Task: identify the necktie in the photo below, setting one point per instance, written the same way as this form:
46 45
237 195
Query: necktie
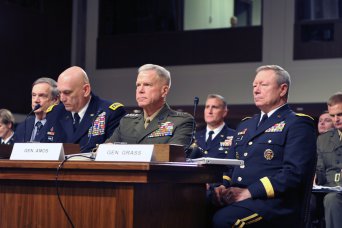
39 126
76 121
147 121
210 138
263 119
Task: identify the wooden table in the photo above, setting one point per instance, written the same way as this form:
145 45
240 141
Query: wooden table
101 194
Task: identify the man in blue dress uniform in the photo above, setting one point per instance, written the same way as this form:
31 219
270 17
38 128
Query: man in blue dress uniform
278 148
45 96
84 118
217 138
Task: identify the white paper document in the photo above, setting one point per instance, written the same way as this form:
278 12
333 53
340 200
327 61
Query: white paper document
217 161
326 188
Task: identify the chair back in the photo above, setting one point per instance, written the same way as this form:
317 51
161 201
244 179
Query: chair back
305 220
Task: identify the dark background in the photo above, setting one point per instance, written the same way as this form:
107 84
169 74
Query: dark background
35 42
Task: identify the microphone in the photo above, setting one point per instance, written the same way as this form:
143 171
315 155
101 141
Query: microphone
91 130
192 139
34 109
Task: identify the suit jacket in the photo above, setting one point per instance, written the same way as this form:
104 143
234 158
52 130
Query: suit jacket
97 124
279 157
10 141
24 130
218 148
329 163
168 127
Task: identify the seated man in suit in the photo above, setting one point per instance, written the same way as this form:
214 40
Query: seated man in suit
216 140
44 97
6 127
158 124
278 149
84 118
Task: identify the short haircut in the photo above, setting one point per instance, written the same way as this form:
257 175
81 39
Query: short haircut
161 72
52 83
6 117
283 77
221 98
335 99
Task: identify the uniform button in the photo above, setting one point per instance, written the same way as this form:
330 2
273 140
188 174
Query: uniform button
250 143
239 179
245 154
226 152
269 141
206 152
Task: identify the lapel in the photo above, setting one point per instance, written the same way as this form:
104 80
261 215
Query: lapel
11 141
87 120
67 124
201 139
154 125
335 140
218 138
276 117
29 125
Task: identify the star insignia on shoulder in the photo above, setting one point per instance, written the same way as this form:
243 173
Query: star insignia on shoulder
115 106
132 115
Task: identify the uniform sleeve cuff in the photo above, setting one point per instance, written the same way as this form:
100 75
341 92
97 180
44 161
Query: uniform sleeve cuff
262 189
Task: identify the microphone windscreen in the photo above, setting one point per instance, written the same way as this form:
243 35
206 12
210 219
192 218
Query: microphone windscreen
196 100
37 107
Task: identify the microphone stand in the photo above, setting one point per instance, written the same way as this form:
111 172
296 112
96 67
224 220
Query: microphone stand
34 109
192 139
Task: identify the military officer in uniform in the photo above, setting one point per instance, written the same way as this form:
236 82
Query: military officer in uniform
329 163
44 96
325 123
158 124
84 118
216 139
6 127
278 148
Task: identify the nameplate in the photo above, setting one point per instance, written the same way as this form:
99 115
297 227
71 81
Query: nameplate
124 153
38 151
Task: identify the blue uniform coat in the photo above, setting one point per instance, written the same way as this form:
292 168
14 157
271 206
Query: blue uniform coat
219 146
24 130
98 123
278 156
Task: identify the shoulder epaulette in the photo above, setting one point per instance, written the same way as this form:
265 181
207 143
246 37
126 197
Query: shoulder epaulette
246 118
115 105
49 109
132 115
302 114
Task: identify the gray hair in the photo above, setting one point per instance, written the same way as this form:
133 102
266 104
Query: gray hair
217 96
283 77
6 117
335 99
52 83
161 72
